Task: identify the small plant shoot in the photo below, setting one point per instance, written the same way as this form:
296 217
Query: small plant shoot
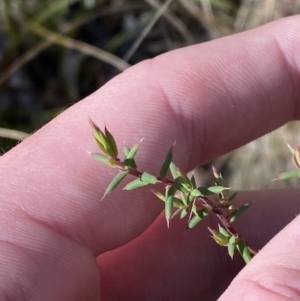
182 198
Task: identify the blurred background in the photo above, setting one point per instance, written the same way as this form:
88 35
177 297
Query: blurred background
54 53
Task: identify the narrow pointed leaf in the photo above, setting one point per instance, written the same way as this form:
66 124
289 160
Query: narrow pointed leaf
177 203
219 237
177 212
232 197
183 198
198 217
137 183
191 199
115 182
100 138
185 182
194 208
288 175
292 150
132 152
126 150
130 163
193 181
231 250
223 231
196 193
236 213
173 169
183 213
111 142
180 187
97 133
232 240
170 192
212 190
129 160
106 144
102 158
183 178
217 189
166 163
231 247
148 178
194 221
242 248
159 195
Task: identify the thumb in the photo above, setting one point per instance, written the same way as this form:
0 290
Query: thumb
274 273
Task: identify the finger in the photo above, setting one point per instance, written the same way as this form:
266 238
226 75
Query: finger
174 264
274 273
210 98
51 180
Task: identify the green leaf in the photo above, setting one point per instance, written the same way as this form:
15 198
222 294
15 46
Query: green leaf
232 197
196 193
193 181
126 150
184 212
183 198
198 217
166 163
223 231
242 248
102 158
105 141
231 249
148 178
180 187
177 212
112 143
184 181
129 160
173 169
191 199
169 197
236 213
219 237
288 175
130 163
159 195
132 152
99 136
137 183
177 203
212 190
115 182
292 150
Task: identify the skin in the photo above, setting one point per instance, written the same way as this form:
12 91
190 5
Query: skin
60 242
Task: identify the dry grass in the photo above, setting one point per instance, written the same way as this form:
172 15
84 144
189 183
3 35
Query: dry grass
174 23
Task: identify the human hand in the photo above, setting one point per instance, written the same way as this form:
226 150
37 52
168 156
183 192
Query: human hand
60 242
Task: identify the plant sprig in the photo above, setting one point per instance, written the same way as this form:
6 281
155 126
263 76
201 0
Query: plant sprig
182 197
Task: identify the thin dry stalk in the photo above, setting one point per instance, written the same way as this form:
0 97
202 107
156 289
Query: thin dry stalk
146 30
13 134
41 46
175 22
79 46
209 24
